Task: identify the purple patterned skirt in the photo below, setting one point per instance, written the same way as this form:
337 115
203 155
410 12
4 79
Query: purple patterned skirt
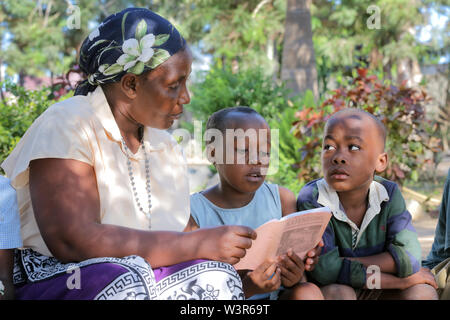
38 277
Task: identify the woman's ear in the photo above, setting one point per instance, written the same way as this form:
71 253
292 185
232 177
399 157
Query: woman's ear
128 85
382 162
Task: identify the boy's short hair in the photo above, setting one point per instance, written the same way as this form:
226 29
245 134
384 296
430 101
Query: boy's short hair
354 111
218 120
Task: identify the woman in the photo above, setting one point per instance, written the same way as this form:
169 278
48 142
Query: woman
97 176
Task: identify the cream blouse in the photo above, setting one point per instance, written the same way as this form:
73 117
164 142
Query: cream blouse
83 128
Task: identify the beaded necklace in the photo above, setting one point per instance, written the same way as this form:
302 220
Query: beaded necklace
147 178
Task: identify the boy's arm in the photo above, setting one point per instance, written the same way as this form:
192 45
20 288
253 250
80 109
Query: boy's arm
332 268
389 281
402 255
288 201
6 273
383 260
402 242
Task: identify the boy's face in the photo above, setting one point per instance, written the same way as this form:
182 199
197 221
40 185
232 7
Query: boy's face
245 157
352 152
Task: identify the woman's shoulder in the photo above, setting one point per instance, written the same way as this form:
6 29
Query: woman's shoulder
68 110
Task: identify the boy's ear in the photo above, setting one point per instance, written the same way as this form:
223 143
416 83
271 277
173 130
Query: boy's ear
211 154
382 162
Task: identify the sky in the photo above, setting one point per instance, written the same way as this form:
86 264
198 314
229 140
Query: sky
437 25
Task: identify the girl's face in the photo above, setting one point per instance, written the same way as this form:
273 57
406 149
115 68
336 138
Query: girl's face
246 168
162 92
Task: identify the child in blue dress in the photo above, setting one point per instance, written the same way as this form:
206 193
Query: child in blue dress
242 197
9 236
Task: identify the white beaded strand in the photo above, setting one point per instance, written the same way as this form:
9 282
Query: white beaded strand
133 184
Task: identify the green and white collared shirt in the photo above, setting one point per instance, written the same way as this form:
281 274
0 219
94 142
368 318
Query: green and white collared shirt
328 197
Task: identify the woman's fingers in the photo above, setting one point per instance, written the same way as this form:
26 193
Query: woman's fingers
244 231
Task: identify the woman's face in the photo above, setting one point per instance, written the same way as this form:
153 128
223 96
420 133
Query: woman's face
162 92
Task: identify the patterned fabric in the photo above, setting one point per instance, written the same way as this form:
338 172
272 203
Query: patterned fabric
38 277
132 41
198 280
9 216
391 230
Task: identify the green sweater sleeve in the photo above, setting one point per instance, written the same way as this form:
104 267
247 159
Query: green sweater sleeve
332 268
401 238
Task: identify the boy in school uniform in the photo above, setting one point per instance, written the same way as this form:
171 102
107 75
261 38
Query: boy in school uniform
369 242
9 237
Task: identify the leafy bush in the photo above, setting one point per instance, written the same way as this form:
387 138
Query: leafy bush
300 120
223 89
18 112
252 88
400 108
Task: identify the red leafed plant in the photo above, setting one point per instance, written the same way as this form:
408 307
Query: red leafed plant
400 108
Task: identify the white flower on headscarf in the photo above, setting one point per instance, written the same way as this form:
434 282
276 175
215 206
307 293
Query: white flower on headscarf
137 51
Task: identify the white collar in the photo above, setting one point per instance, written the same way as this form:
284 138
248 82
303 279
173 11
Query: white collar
328 197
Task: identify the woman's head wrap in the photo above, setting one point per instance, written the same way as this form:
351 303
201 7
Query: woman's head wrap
131 41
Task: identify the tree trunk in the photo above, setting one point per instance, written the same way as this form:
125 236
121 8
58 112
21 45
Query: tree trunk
298 64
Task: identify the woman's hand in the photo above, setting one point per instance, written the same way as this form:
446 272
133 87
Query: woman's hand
265 278
292 268
226 243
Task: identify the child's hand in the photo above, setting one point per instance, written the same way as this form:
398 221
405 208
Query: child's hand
226 243
265 278
312 256
423 276
292 268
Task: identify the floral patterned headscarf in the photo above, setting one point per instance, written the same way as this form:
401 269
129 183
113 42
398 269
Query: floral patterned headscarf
131 41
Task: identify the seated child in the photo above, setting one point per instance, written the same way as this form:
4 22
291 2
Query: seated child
9 237
439 257
243 198
369 242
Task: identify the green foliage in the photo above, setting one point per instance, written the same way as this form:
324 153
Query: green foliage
18 112
222 89
400 108
342 36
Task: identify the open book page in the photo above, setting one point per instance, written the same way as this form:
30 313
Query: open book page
300 231
266 245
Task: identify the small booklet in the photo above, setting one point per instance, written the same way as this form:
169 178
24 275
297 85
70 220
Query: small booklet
300 231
